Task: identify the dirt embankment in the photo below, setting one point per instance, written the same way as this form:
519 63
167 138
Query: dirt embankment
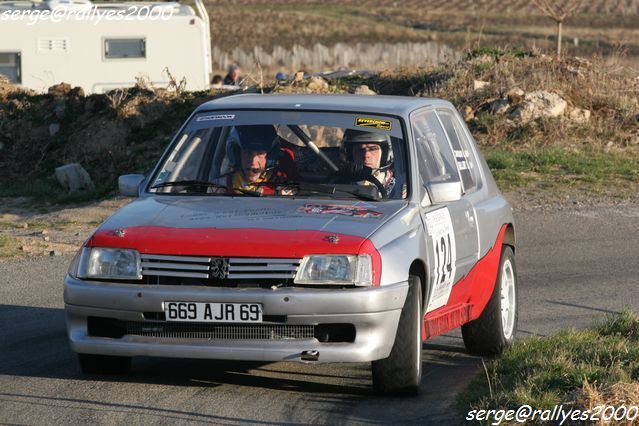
123 131
515 100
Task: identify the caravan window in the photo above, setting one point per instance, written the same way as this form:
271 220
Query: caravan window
124 48
10 66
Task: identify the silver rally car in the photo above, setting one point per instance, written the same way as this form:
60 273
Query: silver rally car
302 228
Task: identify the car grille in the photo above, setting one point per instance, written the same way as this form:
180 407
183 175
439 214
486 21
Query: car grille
220 332
163 269
160 328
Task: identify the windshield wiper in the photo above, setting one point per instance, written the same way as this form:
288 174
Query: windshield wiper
188 183
321 188
356 192
205 184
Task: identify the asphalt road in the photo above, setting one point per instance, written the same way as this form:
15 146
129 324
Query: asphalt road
573 265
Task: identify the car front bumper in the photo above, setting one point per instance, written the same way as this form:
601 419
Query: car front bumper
374 313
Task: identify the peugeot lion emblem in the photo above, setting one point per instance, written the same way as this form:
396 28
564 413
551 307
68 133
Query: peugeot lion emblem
219 267
333 239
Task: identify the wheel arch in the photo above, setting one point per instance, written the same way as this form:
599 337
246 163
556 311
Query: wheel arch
509 236
418 267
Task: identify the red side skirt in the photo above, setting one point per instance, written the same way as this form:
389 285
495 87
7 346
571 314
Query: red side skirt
469 295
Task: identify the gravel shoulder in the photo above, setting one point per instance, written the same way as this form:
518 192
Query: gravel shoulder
30 230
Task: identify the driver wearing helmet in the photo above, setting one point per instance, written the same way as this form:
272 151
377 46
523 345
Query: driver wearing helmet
368 149
258 159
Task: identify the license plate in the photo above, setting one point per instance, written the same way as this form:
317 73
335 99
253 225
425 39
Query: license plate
213 312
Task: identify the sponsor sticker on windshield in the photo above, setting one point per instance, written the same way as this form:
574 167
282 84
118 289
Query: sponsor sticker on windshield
373 123
216 117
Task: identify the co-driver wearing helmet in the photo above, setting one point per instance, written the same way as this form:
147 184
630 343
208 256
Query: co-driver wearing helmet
257 157
371 150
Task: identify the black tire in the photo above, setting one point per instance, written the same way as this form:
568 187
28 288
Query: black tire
486 336
104 364
401 372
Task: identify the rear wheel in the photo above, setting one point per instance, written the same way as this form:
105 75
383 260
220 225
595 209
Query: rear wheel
104 364
401 372
494 330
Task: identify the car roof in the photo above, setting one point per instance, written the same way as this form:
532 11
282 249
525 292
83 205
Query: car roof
381 104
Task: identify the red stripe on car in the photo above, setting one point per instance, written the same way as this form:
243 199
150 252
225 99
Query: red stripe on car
244 242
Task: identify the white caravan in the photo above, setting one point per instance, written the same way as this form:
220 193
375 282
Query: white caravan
104 46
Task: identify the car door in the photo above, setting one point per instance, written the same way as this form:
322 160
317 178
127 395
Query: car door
451 228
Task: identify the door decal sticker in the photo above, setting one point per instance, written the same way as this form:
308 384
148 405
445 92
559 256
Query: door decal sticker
440 229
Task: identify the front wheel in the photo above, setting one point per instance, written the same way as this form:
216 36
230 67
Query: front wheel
494 330
401 372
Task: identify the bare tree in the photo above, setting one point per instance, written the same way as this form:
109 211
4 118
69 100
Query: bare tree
558 11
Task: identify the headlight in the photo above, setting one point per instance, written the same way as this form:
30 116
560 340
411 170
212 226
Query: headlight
75 264
336 269
109 263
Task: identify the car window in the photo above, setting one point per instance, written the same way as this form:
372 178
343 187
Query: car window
436 161
272 152
187 160
460 148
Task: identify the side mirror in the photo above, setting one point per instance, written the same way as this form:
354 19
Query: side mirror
444 192
130 184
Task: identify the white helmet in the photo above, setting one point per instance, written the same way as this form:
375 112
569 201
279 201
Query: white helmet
354 137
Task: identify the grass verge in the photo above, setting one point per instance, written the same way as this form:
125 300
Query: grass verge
8 246
577 368
548 168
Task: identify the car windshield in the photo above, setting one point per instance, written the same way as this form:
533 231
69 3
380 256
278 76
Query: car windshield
286 153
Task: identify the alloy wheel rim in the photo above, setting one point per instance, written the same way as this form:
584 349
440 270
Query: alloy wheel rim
508 300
